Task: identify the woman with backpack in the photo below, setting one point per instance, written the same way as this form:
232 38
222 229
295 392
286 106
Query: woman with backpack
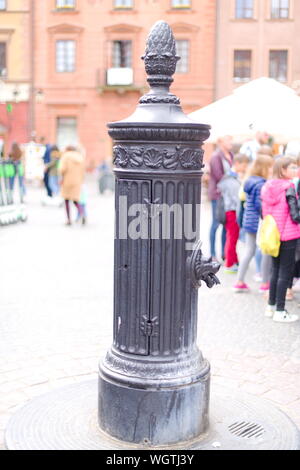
260 171
279 200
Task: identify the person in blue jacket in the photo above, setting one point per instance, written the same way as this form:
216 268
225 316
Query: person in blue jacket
47 160
260 171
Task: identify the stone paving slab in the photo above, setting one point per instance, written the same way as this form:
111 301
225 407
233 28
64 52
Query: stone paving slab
56 294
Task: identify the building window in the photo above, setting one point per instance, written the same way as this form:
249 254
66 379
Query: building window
67 4
278 65
2 4
66 132
244 9
280 9
123 3
242 65
181 3
65 56
183 51
3 69
122 54
121 72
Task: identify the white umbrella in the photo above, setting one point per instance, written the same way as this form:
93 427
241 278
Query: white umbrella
262 104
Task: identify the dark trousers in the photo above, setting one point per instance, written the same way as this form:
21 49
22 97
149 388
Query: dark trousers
212 235
46 183
282 271
296 273
78 207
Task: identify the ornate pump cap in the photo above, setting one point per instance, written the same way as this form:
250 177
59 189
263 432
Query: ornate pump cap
160 63
159 108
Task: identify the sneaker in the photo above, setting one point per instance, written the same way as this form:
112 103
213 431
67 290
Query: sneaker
264 288
241 287
284 317
270 310
231 269
257 277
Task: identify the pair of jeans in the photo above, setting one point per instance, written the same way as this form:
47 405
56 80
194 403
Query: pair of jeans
212 235
282 270
248 253
21 185
46 183
232 236
53 184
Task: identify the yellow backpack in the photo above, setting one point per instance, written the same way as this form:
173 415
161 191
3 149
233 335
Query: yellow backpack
269 237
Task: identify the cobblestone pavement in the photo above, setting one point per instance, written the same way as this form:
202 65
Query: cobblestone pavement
56 295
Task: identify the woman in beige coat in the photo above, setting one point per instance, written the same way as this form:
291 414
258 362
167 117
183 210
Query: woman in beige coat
71 170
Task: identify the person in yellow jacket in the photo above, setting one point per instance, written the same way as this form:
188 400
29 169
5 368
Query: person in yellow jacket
71 170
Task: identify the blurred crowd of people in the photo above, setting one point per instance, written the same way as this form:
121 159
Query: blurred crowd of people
244 187
62 173
64 177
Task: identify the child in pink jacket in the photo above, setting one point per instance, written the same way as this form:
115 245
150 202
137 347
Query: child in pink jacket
279 200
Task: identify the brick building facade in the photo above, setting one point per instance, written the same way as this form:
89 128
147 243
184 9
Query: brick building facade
256 38
67 67
88 69
15 72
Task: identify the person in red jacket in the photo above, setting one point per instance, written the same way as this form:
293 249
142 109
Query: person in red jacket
279 200
220 163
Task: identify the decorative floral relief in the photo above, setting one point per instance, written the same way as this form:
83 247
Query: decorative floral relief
121 156
190 158
154 158
171 160
136 156
151 98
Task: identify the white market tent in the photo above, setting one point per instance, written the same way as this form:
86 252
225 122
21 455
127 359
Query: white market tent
262 104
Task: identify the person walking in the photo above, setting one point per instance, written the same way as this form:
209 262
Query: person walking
220 163
16 158
279 200
71 170
229 187
260 171
252 148
295 276
46 159
52 170
83 205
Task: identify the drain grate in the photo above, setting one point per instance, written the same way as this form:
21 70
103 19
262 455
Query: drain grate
246 429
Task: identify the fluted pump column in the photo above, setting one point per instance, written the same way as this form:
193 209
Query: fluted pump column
154 382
